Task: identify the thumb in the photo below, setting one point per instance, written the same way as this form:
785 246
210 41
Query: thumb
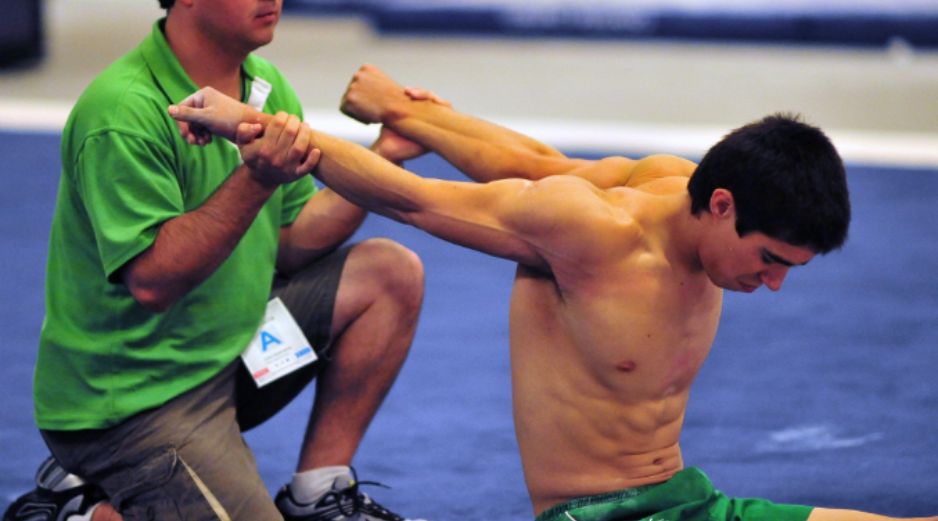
187 114
416 93
419 94
247 133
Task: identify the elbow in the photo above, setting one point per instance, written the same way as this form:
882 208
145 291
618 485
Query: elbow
153 301
526 164
152 292
152 298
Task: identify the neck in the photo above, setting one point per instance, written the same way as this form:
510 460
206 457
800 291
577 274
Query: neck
208 62
685 231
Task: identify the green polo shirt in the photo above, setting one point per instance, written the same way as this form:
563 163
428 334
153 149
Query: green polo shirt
125 171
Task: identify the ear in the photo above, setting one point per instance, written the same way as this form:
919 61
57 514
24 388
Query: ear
722 204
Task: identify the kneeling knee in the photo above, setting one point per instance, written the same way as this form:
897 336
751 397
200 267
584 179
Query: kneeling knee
397 271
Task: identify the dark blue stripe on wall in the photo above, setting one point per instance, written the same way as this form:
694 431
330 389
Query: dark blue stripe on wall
861 28
314 7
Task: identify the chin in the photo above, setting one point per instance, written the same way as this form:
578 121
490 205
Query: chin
732 285
722 283
257 43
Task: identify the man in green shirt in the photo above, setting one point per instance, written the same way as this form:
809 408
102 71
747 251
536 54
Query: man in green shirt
162 258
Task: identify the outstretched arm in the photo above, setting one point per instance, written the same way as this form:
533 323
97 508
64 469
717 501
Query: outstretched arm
371 93
453 135
528 222
472 215
482 150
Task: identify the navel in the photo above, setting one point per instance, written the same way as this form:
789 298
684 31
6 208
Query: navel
626 366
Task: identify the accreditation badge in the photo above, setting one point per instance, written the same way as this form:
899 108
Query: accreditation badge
278 348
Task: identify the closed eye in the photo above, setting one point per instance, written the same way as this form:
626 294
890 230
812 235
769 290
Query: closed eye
771 258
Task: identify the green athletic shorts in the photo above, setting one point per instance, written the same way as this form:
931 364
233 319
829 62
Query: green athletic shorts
688 496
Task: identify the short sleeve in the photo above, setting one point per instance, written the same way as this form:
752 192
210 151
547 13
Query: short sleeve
129 188
295 196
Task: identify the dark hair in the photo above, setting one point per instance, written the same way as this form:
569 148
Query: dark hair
166 4
786 178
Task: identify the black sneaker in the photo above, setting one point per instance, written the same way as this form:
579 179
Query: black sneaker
344 502
58 496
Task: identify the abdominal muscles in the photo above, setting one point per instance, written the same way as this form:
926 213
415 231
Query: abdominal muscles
578 439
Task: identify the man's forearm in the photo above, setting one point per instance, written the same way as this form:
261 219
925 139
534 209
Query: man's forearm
326 221
446 118
482 150
190 247
364 178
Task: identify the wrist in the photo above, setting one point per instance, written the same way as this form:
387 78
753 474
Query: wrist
252 115
258 181
395 111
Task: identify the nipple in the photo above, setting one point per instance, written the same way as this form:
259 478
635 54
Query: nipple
626 366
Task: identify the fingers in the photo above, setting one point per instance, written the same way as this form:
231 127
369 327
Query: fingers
247 133
196 99
271 134
190 118
281 152
288 133
369 94
187 113
299 148
189 121
418 94
201 134
212 112
193 133
345 105
301 151
185 132
395 147
309 164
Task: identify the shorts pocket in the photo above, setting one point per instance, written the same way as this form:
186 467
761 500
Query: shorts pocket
161 488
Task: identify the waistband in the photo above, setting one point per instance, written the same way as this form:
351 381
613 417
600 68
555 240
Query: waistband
688 476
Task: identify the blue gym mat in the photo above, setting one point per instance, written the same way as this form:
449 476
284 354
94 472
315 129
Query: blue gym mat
824 393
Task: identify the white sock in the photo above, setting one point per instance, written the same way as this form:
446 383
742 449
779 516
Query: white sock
310 485
86 516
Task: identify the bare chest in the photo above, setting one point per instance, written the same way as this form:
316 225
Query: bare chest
640 337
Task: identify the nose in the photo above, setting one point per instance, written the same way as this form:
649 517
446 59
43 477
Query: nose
774 277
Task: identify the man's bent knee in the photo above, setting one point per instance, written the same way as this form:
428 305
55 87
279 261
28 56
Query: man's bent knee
393 270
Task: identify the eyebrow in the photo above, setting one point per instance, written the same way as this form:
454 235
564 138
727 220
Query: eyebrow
771 257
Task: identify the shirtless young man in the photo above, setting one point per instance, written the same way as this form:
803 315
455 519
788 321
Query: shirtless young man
618 292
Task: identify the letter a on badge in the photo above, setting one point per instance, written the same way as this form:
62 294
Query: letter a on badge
267 339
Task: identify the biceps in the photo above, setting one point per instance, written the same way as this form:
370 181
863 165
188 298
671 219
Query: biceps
482 217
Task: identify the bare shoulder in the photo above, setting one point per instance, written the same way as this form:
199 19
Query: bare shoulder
607 172
566 189
566 205
573 210
657 174
658 166
618 171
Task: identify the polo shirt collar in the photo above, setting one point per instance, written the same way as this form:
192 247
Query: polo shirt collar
168 72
